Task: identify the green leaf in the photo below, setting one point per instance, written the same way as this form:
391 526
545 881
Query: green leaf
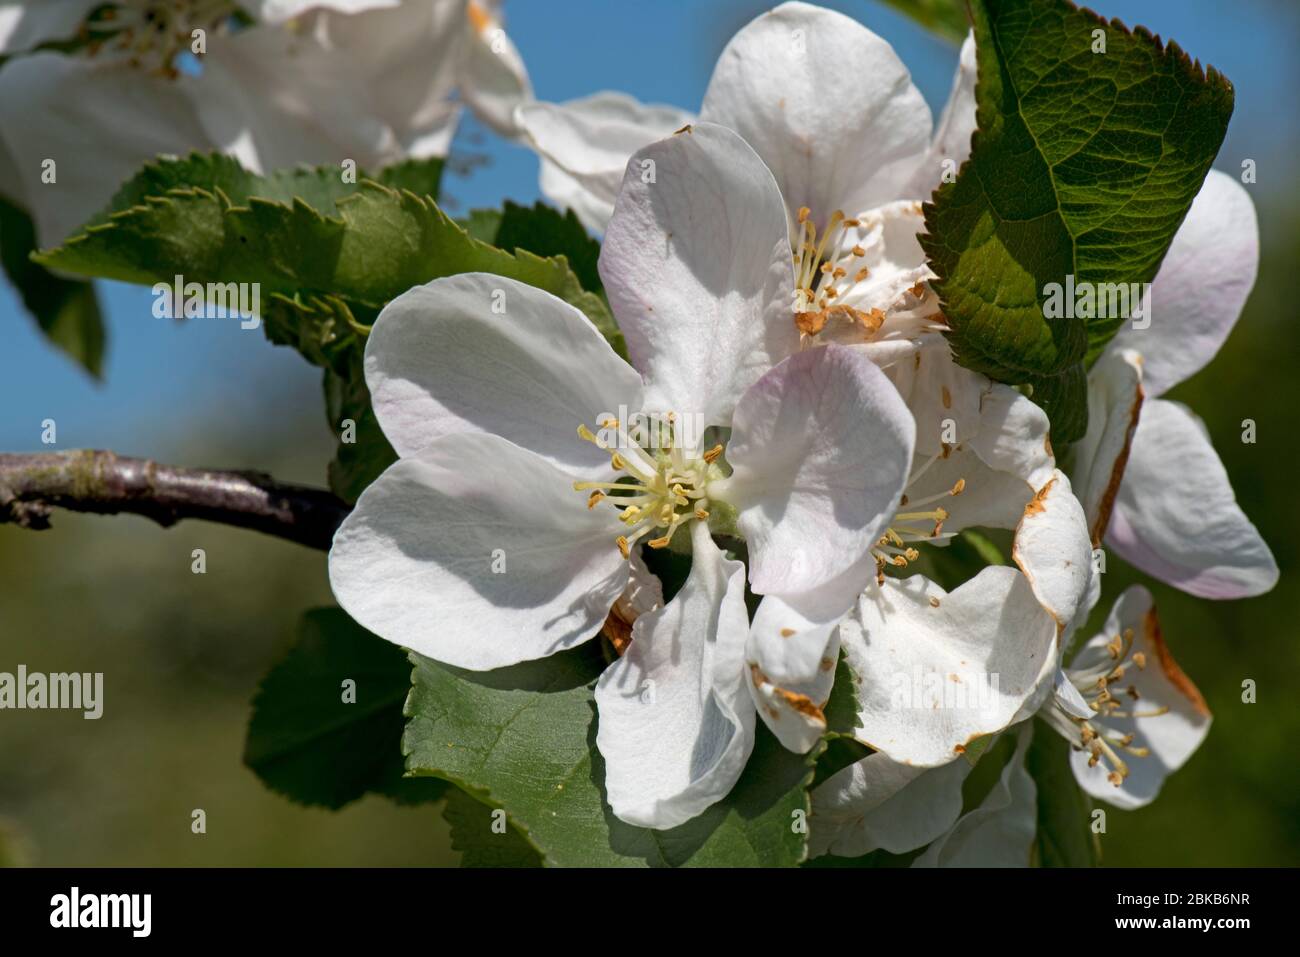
477 834
1065 837
945 17
308 743
1084 164
523 739
66 310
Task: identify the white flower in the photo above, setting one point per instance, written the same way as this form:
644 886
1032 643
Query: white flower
824 101
1131 714
367 82
1150 480
483 407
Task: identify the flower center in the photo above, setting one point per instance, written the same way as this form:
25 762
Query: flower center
913 523
663 483
825 269
1102 687
150 34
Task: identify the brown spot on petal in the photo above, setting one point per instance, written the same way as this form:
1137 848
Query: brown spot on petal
1177 677
1036 506
618 630
1107 503
946 396
787 632
685 129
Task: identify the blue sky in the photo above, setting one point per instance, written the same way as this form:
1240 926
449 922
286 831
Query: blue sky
165 380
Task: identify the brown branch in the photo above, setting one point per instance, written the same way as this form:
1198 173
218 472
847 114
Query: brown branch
31 485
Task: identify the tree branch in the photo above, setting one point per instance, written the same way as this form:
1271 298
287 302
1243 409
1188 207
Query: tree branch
87 480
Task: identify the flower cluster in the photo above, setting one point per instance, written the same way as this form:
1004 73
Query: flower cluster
762 262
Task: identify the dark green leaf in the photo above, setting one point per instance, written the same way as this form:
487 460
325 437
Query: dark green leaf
484 836
66 310
1085 165
309 744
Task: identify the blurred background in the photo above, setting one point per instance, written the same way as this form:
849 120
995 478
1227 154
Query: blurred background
182 654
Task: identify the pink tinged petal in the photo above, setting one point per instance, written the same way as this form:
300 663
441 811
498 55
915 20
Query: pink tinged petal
697 267
1201 287
676 727
51 105
950 147
479 554
588 142
820 449
25 25
1054 551
1115 396
1176 516
878 804
826 103
793 707
493 81
1173 736
1000 832
935 670
479 352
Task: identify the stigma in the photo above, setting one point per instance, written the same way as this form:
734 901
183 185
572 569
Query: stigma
827 267
662 483
1110 694
914 522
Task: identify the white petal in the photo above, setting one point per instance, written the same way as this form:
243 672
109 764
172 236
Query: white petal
1172 737
51 105
826 103
676 727
478 352
1115 395
1054 551
279 11
793 708
951 143
1176 516
877 803
820 448
373 88
943 396
1000 832
1201 287
1013 436
477 553
26 25
697 267
493 81
591 140
936 669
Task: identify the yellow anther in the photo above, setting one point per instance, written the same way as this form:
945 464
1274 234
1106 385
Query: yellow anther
586 434
804 212
622 544
712 454
701 514
660 542
594 498
618 462
859 252
959 487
